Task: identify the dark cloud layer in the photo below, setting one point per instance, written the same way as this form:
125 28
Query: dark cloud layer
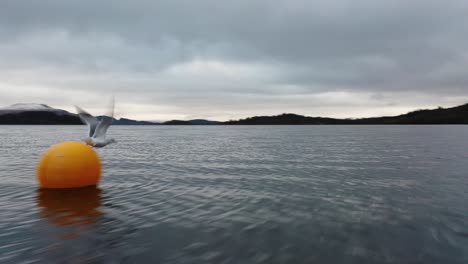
229 59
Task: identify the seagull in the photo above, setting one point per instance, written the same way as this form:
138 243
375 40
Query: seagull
96 128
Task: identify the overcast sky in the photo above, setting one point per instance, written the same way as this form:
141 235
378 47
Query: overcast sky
231 59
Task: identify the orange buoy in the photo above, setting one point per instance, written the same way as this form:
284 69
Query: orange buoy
69 165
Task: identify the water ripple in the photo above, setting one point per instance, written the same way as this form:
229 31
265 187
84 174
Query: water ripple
306 194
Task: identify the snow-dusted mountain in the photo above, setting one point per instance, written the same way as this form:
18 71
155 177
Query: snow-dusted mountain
41 114
36 114
15 108
19 107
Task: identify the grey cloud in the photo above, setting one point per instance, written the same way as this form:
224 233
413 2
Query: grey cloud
271 50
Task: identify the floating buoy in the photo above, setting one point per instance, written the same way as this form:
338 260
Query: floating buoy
69 165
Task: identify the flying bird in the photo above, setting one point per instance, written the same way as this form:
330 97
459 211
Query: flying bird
97 129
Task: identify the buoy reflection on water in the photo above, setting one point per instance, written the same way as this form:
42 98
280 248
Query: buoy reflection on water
70 206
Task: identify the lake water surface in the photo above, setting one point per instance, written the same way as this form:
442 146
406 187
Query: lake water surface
243 194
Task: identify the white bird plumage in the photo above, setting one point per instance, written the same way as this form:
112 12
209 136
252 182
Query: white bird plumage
97 129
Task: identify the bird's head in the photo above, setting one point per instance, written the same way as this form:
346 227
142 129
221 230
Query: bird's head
89 141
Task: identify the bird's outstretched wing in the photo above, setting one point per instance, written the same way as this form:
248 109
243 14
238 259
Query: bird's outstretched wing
88 119
111 107
102 127
105 123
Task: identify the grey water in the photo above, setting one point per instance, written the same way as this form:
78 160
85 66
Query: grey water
243 194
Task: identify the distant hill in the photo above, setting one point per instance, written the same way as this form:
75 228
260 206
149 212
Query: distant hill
36 114
40 114
126 122
130 122
285 119
454 115
192 122
30 107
